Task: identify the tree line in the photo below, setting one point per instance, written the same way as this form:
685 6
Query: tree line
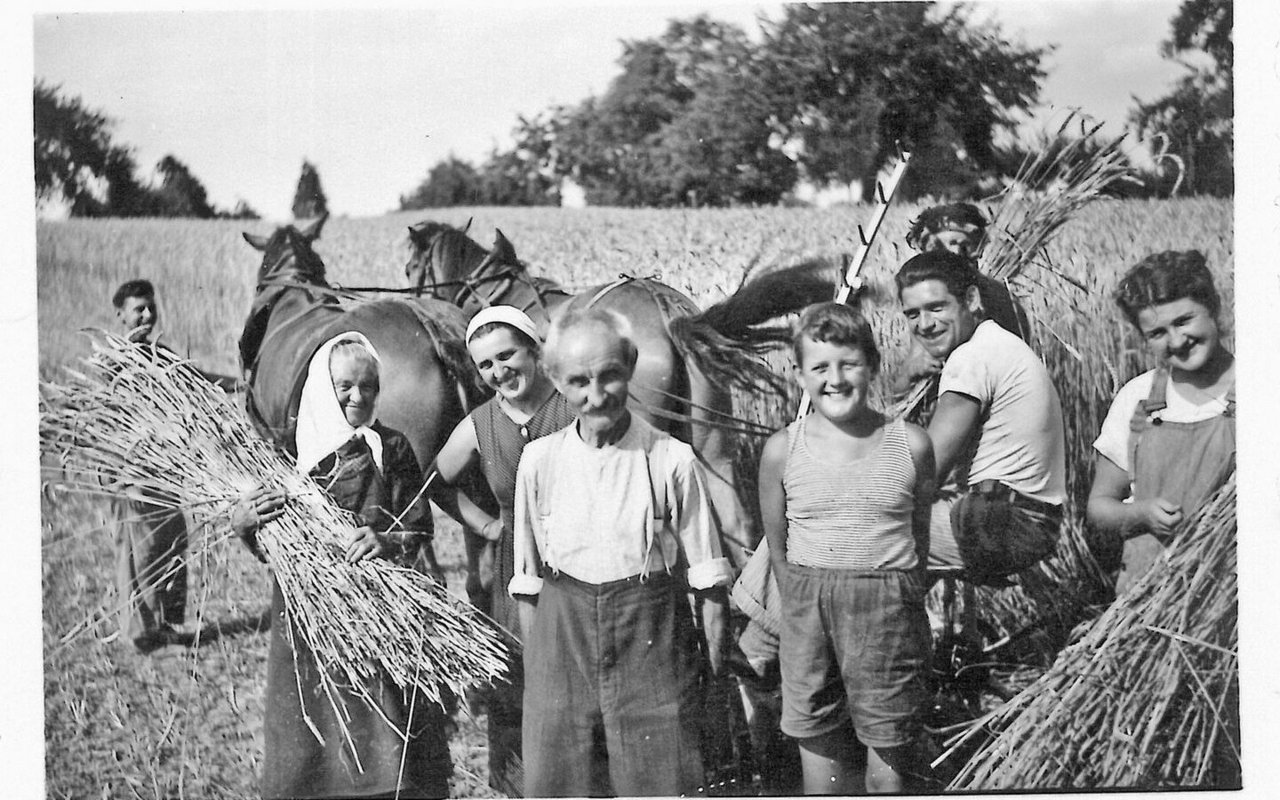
77 162
702 115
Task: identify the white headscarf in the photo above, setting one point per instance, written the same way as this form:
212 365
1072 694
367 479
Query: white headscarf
507 315
322 427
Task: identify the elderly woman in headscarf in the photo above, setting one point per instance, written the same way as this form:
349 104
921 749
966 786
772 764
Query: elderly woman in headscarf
505 347
401 748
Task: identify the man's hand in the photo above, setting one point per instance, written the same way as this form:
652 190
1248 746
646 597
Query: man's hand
919 364
492 530
364 543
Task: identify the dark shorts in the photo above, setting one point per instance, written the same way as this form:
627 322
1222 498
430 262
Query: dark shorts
854 646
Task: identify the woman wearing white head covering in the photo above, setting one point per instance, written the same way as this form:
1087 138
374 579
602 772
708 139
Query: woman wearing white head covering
505 347
371 471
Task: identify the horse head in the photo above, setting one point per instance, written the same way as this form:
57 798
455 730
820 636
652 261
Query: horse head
287 254
442 258
287 258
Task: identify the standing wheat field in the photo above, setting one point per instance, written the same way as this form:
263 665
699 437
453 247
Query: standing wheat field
188 723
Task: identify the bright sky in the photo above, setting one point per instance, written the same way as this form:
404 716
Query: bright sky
374 98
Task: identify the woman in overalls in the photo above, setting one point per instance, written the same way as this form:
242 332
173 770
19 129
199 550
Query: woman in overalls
1168 441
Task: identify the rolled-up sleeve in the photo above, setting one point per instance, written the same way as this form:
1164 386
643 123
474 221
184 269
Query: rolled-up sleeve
527 579
696 526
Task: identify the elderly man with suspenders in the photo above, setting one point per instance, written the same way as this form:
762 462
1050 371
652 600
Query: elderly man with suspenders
613 530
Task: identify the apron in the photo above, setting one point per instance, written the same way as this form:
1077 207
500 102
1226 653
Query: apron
1182 461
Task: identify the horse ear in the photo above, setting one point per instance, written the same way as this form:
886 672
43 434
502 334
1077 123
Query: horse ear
503 250
257 242
467 227
312 231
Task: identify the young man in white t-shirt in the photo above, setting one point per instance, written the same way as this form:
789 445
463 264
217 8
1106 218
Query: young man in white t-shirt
997 429
613 529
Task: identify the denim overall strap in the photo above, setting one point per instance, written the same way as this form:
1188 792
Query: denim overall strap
1182 462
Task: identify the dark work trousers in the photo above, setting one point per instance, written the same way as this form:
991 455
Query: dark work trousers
616 662
151 567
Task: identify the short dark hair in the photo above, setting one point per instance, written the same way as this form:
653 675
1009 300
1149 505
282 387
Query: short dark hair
138 287
1166 277
835 323
954 270
936 218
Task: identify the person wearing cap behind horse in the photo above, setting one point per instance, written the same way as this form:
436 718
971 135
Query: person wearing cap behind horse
504 346
399 749
958 228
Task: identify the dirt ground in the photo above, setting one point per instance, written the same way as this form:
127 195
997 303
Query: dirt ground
180 722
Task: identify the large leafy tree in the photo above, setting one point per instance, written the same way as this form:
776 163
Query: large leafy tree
528 174
686 122
308 199
854 79
1196 116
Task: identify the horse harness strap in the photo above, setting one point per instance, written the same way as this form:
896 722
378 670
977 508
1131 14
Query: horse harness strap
609 287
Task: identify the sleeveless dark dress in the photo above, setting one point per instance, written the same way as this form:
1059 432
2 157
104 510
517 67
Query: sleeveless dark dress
501 441
295 764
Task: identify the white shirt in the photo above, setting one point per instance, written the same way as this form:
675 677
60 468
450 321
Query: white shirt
1021 442
590 512
1113 439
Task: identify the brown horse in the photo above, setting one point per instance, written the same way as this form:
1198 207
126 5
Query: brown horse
679 386
426 384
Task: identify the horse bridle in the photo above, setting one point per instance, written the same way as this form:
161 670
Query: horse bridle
272 279
471 284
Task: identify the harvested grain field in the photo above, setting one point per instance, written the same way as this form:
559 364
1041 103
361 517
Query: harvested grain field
187 723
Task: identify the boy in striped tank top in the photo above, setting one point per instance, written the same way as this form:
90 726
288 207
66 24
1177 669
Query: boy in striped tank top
845 497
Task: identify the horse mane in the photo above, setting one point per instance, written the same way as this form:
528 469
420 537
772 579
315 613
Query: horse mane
719 337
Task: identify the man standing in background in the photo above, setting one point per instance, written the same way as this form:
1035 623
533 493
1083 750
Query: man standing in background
151 539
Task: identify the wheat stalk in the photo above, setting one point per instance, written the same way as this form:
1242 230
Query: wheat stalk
140 420
1142 698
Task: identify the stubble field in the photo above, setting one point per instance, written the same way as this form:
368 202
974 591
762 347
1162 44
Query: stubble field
187 723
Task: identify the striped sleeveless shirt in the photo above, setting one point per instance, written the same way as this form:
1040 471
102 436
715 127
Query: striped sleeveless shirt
851 515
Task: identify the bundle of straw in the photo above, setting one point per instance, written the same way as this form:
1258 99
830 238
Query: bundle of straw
1068 173
1145 697
146 422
